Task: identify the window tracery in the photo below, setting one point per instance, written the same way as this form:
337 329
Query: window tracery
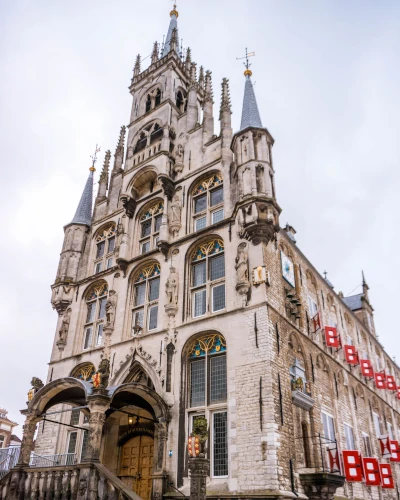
146 292
105 246
208 278
208 202
207 394
95 316
150 223
84 372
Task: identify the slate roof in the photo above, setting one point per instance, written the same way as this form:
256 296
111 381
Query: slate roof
83 214
172 25
354 302
250 113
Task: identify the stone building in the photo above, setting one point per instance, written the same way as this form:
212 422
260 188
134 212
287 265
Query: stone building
180 296
6 429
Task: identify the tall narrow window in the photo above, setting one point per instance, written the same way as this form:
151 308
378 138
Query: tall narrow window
148 103
207 395
95 314
158 97
208 278
329 428
105 246
306 444
348 433
145 299
377 424
208 202
150 223
72 438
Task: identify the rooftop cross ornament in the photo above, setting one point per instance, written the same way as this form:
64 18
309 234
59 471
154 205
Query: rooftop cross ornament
94 158
247 64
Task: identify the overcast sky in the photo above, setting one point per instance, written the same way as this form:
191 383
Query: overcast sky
327 83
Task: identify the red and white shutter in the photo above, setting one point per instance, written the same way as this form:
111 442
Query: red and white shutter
391 383
371 471
384 443
316 322
395 451
333 456
386 476
366 368
351 355
380 380
352 465
332 338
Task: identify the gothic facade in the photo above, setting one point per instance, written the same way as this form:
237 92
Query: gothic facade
180 296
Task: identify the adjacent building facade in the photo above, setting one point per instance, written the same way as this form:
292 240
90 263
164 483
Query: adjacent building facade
6 429
180 296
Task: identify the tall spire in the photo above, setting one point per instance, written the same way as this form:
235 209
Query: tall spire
83 214
250 113
173 25
365 286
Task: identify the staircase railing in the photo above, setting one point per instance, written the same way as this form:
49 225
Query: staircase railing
83 481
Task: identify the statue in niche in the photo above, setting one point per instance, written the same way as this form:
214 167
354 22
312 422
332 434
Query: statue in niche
171 286
179 154
111 306
63 332
242 264
176 210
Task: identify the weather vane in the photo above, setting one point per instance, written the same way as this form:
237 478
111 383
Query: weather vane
247 63
94 157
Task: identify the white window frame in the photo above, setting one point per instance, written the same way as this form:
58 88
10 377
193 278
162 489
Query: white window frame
152 238
328 415
102 261
390 430
312 307
349 429
94 323
209 210
147 304
68 442
377 424
211 446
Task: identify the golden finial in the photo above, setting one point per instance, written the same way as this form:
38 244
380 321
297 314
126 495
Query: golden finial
94 158
248 71
174 12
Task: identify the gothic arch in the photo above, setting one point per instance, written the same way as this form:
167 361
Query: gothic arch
199 242
311 277
322 363
139 375
143 264
359 390
145 181
64 390
204 177
286 250
96 286
83 371
197 335
104 227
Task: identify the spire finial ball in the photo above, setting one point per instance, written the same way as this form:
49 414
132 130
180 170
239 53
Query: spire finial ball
174 12
92 169
248 72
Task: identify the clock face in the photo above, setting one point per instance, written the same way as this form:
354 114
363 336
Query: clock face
288 270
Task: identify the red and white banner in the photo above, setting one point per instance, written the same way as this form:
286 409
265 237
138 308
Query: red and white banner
395 451
352 465
333 455
332 338
380 380
351 355
316 322
391 383
384 443
386 475
366 368
371 471
398 393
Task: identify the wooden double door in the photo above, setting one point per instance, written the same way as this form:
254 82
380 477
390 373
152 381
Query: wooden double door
137 465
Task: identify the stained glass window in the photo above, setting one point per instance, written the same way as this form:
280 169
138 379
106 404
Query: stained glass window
208 201
95 316
208 278
105 246
146 295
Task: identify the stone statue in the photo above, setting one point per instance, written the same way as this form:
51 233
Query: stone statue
101 378
176 210
179 154
171 286
111 306
63 332
241 264
36 384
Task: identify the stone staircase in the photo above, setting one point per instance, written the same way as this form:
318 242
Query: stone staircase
91 481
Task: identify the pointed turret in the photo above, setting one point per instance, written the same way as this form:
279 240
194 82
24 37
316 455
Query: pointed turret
226 122
208 115
119 152
136 69
104 178
83 214
365 287
201 77
192 109
188 61
154 55
173 27
250 113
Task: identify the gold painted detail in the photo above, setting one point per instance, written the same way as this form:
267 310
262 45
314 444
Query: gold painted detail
157 208
98 291
213 181
174 12
248 72
85 372
213 343
106 233
148 272
210 248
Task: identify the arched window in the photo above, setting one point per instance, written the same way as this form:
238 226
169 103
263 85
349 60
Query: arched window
158 97
95 314
207 395
181 101
208 202
156 134
145 299
148 103
141 143
208 278
150 223
84 372
105 246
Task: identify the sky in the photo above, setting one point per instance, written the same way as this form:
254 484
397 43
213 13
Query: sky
327 81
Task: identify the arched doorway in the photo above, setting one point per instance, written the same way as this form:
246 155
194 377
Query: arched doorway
137 464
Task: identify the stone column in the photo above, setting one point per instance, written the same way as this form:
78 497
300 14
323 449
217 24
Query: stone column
98 405
27 440
199 470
